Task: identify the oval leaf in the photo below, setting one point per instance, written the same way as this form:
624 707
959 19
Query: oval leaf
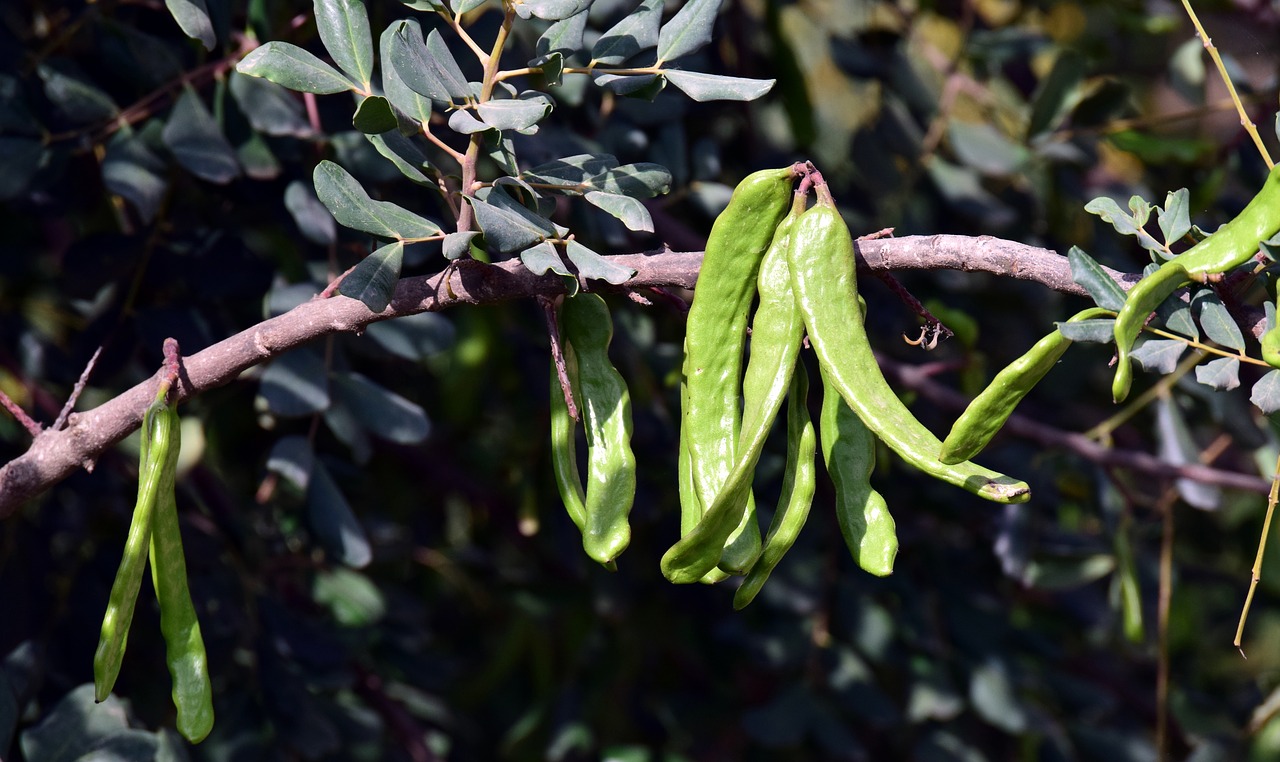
374 116
309 214
198 143
518 114
540 258
1159 355
551 10
1222 373
1177 447
1215 320
333 522
592 265
292 457
295 384
688 30
294 68
344 30
632 213
193 19
716 87
1266 393
270 108
381 411
1086 272
373 281
636 32
507 225
352 207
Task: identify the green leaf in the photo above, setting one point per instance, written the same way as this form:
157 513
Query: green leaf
430 6
458 245
541 257
406 155
270 108
992 695
518 114
351 597
295 384
551 10
463 6
592 265
1159 355
373 281
507 225
563 37
414 337
1122 221
427 68
501 150
334 523
715 87
632 213
688 30
634 85
1222 373
464 122
77 100
292 67
1089 275
344 29
1096 330
404 98
1057 94
382 412
351 206
1266 393
1177 447
1175 315
1175 219
256 159
640 180
292 457
20 160
78 729
1215 320
635 33
981 146
374 116
131 170
309 214
193 19
197 141
574 170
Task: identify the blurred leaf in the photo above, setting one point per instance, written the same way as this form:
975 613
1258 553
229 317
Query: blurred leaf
1057 94
688 30
1087 273
414 337
1159 148
518 114
20 160
78 100
464 6
292 457
426 5
1222 373
1215 320
1177 447
344 29
351 206
1159 355
1130 592
716 87
256 159
132 171
373 281
1175 220
1066 573
197 141
992 695
381 411
374 116
508 226
351 597
193 18
592 265
629 210
1187 70
981 146
292 67
406 155
78 729
334 524
636 32
541 257
309 214
1266 393
295 384
563 37
270 108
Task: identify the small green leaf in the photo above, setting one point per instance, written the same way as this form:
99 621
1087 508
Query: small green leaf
380 411
1141 210
507 225
1266 393
295 384
551 10
981 146
193 19
1175 220
1222 373
352 598
1177 447
688 30
716 87
1175 315
458 245
632 213
1215 320
1122 221
78 100
574 170
309 214
373 281
333 521
635 33
406 155
563 37
518 114
351 206
197 141
270 108
405 99
1086 272
592 265
1096 330
374 116
292 67
541 257
1159 355
131 170
344 29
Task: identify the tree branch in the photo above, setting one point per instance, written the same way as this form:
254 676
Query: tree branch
55 455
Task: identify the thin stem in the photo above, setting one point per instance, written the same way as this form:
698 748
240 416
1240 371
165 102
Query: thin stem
1167 501
1256 572
76 391
486 92
1245 121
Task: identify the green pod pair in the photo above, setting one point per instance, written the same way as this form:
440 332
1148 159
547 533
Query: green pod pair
776 332
799 483
1230 246
821 257
713 349
987 413
604 402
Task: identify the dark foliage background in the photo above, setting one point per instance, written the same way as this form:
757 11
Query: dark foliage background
479 630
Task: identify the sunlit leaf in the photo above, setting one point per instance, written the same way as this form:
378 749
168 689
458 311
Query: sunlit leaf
541 257
311 216
351 206
518 114
636 32
592 265
193 19
1266 392
294 68
563 37
344 29
1215 320
632 212
551 10
1222 373
373 281
716 87
1159 355
688 30
333 521
458 245
1175 219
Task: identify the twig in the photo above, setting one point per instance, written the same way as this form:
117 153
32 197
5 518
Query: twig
76 391
33 428
557 354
